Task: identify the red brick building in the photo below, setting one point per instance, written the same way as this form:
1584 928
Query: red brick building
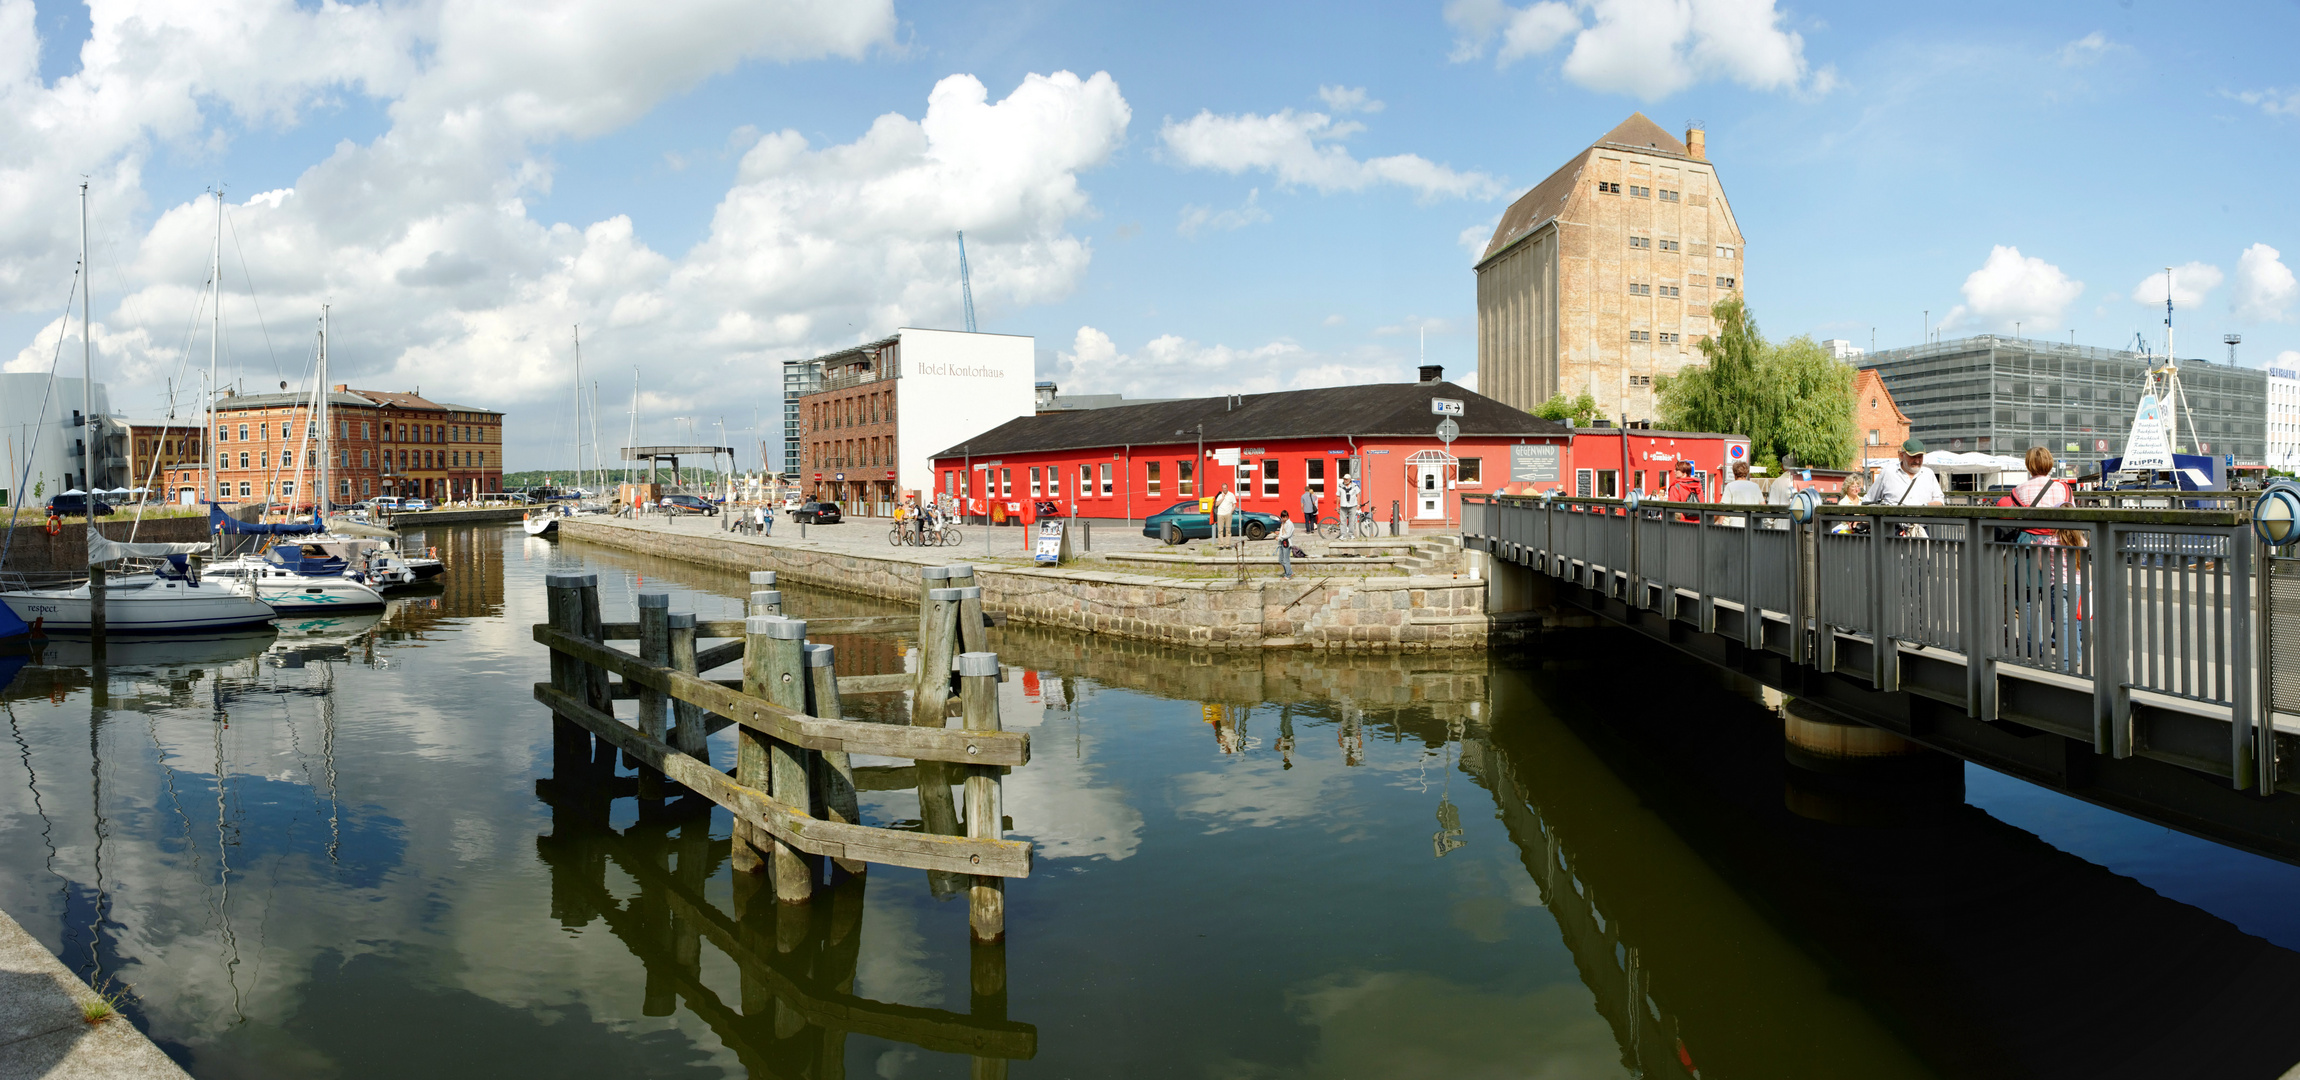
168 456
384 443
1877 421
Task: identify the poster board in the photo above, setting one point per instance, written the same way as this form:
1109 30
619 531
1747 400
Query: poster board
1533 464
1049 547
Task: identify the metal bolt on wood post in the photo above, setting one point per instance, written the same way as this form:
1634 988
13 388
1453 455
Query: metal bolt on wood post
835 771
789 768
766 602
654 648
978 694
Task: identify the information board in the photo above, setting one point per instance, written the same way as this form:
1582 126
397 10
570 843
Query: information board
1049 547
1531 464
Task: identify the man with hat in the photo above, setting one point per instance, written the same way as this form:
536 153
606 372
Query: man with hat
1910 485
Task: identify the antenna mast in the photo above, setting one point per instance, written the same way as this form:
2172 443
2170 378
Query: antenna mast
965 282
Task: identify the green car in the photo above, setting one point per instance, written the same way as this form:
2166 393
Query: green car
1196 524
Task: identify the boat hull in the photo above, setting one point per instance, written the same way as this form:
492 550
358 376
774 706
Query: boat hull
159 607
541 525
315 595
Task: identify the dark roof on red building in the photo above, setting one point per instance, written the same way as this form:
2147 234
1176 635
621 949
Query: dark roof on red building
1379 410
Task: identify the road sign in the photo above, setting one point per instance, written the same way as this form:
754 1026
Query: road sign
1446 406
1736 452
1448 431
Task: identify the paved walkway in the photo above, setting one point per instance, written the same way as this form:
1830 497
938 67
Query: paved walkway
996 544
43 1032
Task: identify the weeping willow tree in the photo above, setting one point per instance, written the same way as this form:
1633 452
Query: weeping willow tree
1788 398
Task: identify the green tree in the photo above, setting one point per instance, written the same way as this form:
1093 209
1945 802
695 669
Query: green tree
1788 398
1577 411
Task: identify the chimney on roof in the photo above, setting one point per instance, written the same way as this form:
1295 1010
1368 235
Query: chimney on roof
341 388
1696 143
1433 373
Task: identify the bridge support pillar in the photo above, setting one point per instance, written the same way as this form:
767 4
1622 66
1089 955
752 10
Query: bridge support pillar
1846 772
1510 587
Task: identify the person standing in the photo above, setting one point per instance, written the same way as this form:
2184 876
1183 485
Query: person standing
1348 504
1910 485
1310 509
1225 504
1684 487
1784 487
1740 491
1286 543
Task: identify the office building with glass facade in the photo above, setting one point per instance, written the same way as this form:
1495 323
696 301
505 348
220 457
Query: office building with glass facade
2002 395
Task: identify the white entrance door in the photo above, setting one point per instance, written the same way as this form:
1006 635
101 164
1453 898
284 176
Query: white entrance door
1429 491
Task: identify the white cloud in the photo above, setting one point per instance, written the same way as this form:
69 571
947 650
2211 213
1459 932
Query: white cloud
1348 99
2274 102
2265 288
1335 320
2288 359
1475 238
1167 365
1198 219
2189 286
1302 149
422 237
2010 288
1644 48
2088 49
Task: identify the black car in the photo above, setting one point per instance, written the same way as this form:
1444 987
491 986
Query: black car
688 504
68 506
819 513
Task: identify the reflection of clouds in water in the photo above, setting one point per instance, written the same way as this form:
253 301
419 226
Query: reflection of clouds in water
1487 896
1410 1024
1255 790
892 1063
891 964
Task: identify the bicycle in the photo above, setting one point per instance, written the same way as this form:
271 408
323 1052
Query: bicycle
949 536
898 536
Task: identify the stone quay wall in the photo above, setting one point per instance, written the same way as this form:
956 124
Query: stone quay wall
1408 614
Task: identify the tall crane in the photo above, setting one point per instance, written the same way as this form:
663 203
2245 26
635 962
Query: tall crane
965 283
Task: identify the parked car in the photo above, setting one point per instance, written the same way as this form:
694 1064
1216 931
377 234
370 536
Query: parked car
411 505
688 504
792 503
818 513
66 506
1197 524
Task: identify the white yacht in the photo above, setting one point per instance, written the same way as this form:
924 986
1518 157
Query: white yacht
168 600
302 578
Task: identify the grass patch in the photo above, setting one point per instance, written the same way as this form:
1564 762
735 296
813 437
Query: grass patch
105 1006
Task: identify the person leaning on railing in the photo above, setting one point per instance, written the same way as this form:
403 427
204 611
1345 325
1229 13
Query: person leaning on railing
2039 491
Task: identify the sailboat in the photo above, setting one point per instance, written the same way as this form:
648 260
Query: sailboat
544 520
304 577
167 599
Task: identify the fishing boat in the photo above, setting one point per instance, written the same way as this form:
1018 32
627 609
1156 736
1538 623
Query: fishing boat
544 521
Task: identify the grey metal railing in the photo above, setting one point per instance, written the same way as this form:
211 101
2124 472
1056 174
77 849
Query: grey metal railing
2114 602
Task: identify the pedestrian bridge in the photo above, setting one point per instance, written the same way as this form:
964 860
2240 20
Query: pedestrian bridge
2154 669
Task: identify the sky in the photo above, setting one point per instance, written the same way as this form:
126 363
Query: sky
1172 199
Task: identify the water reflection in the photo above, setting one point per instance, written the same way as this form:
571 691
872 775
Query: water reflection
337 850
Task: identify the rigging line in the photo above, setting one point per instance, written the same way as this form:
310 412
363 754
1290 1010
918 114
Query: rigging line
250 279
63 322
32 783
183 359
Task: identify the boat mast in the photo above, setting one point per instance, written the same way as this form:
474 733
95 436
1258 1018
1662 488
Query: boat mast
319 505
578 433
632 439
215 339
87 373
2172 366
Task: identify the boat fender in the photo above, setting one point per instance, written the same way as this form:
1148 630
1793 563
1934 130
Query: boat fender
55 524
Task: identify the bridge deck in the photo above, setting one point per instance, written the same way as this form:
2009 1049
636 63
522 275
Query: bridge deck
2122 658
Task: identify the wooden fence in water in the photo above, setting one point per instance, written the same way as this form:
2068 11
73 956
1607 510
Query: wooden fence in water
793 791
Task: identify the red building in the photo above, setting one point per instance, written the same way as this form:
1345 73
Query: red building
1609 462
1130 461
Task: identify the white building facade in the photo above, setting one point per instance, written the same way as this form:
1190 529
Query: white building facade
865 430
2283 419
44 444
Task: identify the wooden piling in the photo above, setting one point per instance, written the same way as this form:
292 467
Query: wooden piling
752 761
654 713
570 743
835 772
930 701
783 681
766 602
978 697
973 629
96 598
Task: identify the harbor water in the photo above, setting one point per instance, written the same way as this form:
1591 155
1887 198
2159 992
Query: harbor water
338 851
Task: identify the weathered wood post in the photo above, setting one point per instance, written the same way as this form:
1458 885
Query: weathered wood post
930 703
570 743
752 761
688 732
783 679
973 632
978 697
765 598
835 772
654 648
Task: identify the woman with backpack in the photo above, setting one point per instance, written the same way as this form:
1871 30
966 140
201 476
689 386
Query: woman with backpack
2042 570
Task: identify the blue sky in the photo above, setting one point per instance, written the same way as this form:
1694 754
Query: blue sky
1247 197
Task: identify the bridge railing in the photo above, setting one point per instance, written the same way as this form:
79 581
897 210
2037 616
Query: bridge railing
2158 605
